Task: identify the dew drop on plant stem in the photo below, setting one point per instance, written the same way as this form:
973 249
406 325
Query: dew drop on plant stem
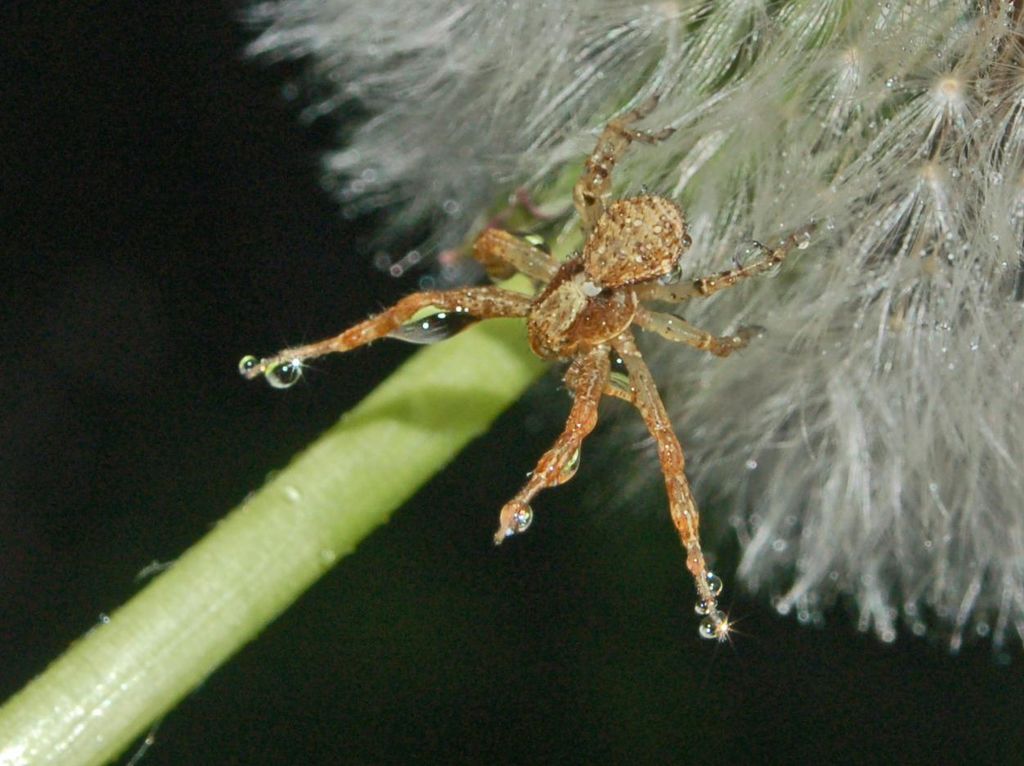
433 328
714 583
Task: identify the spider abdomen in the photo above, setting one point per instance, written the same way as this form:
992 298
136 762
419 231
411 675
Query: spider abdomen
635 240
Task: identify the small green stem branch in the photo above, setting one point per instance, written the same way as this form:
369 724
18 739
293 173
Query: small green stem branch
90 704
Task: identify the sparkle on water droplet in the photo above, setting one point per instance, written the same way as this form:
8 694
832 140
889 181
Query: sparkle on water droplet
713 626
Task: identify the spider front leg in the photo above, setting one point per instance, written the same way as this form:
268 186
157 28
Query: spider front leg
591 191
587 377
680 331
503 253
682 505
285 367
704 286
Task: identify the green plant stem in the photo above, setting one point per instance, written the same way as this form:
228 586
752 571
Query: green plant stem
90 704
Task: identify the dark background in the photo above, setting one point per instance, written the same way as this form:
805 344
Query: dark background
160 216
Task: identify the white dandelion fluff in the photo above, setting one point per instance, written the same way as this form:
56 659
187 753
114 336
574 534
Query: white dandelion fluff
871 444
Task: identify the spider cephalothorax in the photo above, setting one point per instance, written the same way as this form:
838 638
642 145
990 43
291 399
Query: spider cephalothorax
583 315
590 299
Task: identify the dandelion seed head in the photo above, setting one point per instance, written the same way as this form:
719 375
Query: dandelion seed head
881 408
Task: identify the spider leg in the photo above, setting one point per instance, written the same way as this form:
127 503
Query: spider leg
587 377
682 505
592 190
614 386
680 331
496 248
704 286
469 303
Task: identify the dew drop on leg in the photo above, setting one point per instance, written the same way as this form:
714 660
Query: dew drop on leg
433 328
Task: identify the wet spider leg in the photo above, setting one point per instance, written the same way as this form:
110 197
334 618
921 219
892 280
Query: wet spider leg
682 505
586 377
680 331
611 388
704 286
594 187
476 302
503 254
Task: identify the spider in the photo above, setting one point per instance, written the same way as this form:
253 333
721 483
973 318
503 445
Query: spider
583 315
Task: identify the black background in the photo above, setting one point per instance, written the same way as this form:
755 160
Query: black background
160 216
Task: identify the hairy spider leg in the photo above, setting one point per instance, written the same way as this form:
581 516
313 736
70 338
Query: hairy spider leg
476 302
591 192
611 387
503 254
680 331
682 505
702 287
587 377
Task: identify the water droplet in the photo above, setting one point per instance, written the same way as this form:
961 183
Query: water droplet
538 242
569 469
104 618
619 377
620 382
292 494
675 276
751 464
433 328
714 582
705 606
328 556
284 374
522 519
713 626
247 365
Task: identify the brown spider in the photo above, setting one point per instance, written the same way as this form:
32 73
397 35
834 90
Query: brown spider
631 253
